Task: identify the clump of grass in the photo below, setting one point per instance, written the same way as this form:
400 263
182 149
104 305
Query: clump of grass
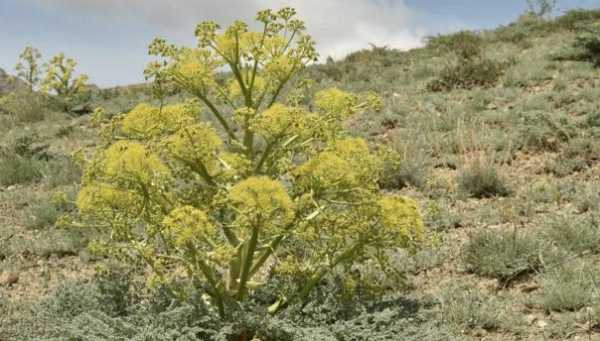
541 131
408 166
574 235
61 170
467 74
17 169
439 217
568 286
24 106
481 180
45 212
465 306
588 45
503 255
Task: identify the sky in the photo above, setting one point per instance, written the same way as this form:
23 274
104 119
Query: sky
109 38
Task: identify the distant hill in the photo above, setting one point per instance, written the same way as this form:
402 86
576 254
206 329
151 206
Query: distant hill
9 83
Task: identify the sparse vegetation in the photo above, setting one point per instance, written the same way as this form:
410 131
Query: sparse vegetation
502 255
505 175
480 179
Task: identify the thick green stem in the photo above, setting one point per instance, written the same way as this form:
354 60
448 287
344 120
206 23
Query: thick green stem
247 260
317 276
218 115
208 274
265 255
264 156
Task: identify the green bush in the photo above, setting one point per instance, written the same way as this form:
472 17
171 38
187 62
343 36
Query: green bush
574 235
45 212
470 68
573 19
481 180
588 43
115 306
464 44
465 306
61 170
24 106
17 169
504 255
545 131
467 74
568 286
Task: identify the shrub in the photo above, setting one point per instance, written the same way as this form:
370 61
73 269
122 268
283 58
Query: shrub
481 180
470 68
17 169
467 74
406 166
113 307
47 211
574 235
24 106
579 154
28 68
61 170
61 82
465 44
568 286
573 19
465 306
277 191
545 131
588 43
501 255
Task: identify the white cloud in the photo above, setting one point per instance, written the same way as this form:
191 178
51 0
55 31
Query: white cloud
338 26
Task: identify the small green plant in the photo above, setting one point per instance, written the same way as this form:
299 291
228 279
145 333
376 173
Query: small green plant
465 306
504 255
481 180
588 42
60 81
465 44
544 131
278 190
568 286
28 67
46 212
24 106
574 235
469 67
17 169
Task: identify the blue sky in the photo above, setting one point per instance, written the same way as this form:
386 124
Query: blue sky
109 37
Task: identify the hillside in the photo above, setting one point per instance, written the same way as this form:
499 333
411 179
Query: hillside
498 133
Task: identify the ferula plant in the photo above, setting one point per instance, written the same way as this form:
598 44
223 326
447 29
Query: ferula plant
60 80
269 191
28 67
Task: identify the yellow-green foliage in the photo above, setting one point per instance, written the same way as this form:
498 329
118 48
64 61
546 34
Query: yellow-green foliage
28 68
271 187
60 80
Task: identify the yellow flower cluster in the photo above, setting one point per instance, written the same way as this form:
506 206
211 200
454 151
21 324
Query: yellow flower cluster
263 201
194 69
198 143
347 164
336 103
132 161
401 220
146 121
96 198
187 225
280 120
